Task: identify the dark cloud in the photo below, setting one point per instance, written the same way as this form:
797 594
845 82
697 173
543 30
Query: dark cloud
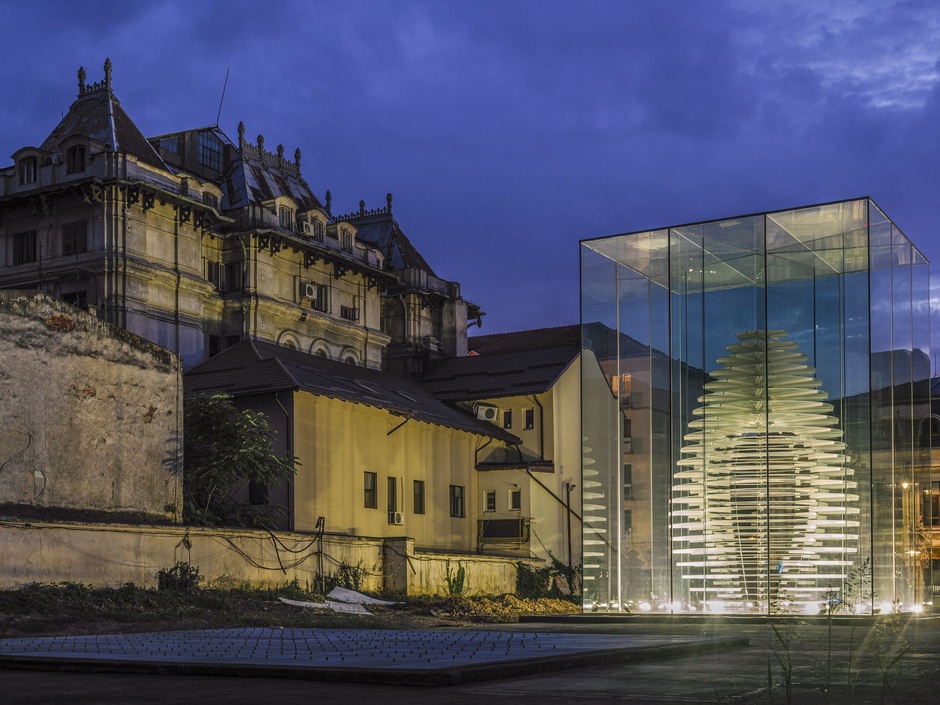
510 130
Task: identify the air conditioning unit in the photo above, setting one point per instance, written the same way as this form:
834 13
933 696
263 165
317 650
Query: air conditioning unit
304 228
308 290
487 413
396 518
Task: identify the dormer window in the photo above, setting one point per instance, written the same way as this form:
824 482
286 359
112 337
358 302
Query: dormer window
285 217
346 240
317 230
27 171
75 160
210 200
210 151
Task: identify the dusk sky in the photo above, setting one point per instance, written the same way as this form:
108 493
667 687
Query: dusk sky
508 131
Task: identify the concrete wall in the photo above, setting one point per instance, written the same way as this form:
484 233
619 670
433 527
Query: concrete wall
112 555
89 412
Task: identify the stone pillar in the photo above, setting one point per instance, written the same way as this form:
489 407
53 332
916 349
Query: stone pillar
397 554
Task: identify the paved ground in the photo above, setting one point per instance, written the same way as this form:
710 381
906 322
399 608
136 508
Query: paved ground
716 675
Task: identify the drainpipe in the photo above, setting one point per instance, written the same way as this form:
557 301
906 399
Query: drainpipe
541 427
290 452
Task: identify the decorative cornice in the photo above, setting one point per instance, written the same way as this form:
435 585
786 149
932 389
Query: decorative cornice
278 160
103 85
362 213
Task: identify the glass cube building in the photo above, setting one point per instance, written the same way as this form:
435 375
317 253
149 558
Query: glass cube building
756 415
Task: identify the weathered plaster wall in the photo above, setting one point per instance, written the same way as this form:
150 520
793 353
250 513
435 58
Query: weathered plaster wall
338 442
89 413
112 555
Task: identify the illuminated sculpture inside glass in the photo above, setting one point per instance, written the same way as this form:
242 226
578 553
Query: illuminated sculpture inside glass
764 509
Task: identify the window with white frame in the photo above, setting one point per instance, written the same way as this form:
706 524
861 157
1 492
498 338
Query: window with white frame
489 501
285 217
515 500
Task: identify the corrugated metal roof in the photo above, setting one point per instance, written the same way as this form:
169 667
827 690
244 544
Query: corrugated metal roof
501 374
254 367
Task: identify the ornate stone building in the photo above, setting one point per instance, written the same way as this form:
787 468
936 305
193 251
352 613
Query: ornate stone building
196 242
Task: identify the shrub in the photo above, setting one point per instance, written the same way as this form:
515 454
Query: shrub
180 578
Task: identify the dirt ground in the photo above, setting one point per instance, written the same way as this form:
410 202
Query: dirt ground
71 609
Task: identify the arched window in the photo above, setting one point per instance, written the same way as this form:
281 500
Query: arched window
27 171
75 159
285 218
350 360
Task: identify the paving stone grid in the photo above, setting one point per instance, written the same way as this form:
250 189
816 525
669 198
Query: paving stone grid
333 648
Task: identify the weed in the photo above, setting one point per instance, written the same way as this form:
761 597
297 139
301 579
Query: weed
182 577
456 580
782 651
350 577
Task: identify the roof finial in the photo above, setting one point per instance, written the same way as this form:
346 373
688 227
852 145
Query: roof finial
297 158
388 200
280 152
241 134
107 74
329 203
260 143
81 79
362 207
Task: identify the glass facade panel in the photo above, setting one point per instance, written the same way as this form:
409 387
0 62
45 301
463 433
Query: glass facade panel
764 381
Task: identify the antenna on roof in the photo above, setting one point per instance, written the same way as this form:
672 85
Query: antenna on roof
219 114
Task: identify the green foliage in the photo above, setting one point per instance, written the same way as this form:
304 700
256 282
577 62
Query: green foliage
182 577
346 576
224 450
456 580
535 583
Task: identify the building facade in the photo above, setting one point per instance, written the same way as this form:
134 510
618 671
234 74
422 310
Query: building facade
196 242
526 383
761 413
378 455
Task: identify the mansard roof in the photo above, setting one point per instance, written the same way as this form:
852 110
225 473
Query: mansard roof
255 367
97 114
378 228
257 175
